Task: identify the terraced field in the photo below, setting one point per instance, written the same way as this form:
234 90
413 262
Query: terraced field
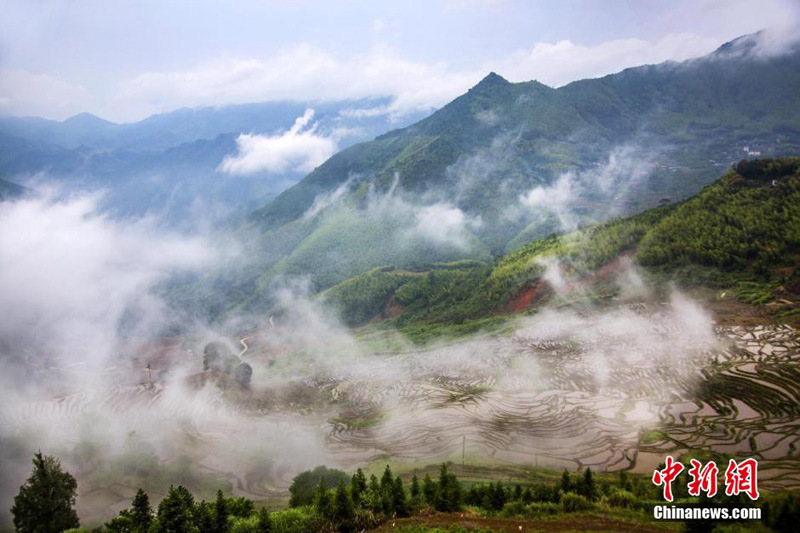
612 389
603 397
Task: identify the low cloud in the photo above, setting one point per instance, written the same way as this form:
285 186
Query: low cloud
303 72
559 63
71 277
443 224
299 149
603 188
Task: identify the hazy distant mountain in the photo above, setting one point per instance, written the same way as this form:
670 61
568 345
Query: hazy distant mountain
509 162
168 164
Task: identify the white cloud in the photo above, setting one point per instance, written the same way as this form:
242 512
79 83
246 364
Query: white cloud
442 224
303 72
608 184
299 149
68 276
562 62
323 201
27 93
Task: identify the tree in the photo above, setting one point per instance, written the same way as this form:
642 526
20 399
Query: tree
240 507
203 514
322 500
304 485
429 490
588 487
141 512
387 479
416 492
566 483
264 521
497 496
358 485
399 497
45 503
449 494
221 514
343 511
176 512
387 487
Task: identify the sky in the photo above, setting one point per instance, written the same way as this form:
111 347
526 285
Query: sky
124 60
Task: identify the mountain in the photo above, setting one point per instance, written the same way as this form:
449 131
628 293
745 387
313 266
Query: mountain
507 163
739 236
168 164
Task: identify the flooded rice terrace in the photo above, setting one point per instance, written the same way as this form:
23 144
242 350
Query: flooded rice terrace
613 389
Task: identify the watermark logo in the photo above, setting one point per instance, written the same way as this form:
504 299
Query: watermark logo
740 477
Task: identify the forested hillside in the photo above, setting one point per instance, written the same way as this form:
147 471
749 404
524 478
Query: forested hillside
741 232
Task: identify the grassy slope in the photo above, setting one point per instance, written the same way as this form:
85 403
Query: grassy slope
740 232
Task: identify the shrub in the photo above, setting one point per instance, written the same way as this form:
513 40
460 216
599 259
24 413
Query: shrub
305 484
571 502
622 498
295 520
244 525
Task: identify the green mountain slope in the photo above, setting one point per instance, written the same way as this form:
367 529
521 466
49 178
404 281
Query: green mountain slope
602 148
741 233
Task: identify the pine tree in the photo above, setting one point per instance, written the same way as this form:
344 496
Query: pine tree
449 493
527 495
358 485
264 521
429 490
387 479
322 500
141 512
45 503
399 497
387 486
221 514
497 498
204 516
588 487
416 492
175 513
343 511
566 483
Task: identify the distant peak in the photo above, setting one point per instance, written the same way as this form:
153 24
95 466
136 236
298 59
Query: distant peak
765 43
492 79
85 118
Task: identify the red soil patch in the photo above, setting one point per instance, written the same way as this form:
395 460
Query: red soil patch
537 292
528 295
392 308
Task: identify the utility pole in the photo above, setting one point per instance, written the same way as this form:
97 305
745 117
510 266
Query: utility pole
463 449
150 373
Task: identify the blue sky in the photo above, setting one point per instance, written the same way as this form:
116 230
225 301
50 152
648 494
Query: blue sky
125 60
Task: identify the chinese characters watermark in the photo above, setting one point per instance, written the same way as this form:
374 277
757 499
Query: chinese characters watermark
741 477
